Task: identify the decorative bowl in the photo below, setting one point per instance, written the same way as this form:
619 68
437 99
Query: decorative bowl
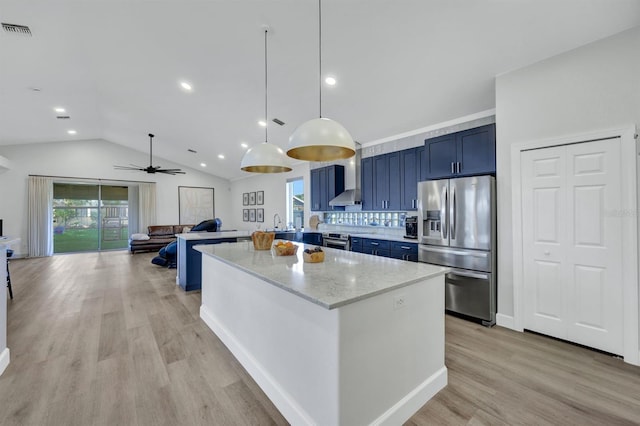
282 248
262 240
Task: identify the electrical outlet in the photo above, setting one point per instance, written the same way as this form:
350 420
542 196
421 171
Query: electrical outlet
399 302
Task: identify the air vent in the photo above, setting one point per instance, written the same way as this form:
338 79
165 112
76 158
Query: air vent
63 117
278 121
192 150
21 30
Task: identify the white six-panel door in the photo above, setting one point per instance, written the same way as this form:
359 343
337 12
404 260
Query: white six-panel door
572 239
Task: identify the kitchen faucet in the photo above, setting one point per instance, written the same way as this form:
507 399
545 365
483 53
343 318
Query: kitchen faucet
274 221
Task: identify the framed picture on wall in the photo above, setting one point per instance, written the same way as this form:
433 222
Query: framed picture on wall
260 198
245 215
195 204
260 213
252 215
252 198
245 199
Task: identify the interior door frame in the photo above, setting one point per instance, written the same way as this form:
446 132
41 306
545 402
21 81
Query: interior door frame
629 217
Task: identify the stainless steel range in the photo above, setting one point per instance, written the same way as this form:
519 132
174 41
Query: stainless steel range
336 241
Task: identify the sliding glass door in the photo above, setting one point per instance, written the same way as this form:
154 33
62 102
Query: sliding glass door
89 217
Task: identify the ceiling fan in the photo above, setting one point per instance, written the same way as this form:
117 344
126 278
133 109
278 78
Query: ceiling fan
151 168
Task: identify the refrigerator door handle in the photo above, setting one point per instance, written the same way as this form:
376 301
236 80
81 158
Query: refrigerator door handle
443 213
452 214
469 274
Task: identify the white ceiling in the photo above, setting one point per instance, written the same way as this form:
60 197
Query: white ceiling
401 65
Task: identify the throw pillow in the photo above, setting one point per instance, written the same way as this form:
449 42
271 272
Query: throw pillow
139 237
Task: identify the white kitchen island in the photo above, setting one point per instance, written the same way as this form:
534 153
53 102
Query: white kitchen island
354 340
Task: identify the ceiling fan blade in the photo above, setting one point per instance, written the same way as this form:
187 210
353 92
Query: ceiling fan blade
126 168
171 171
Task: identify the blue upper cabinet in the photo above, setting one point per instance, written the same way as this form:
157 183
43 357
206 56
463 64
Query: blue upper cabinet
477 150
380 182
441 156
366 183
410 173
386 182
471 152
326 184
316 189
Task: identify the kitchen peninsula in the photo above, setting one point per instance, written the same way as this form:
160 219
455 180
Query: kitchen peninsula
356 339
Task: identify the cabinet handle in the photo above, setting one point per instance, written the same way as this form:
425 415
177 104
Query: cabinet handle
458 167
374 244
405 248
452 168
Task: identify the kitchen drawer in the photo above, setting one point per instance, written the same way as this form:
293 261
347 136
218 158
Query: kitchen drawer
380 245
403 247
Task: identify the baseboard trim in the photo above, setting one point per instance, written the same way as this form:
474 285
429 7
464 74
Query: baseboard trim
287 405
294 412
411 403
505 321
4 360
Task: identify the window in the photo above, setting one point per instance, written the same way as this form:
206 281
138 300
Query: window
89 217
295 203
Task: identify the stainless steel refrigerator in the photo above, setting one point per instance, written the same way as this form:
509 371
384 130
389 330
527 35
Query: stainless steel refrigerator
457 228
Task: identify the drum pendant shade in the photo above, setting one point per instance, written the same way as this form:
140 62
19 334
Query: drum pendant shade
265 158
321 139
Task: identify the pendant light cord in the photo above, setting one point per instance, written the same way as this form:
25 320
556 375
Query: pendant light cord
266 115
320 55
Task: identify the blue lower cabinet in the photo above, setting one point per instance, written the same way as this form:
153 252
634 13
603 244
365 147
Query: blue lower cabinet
404 251
376 247
314 238
356 244
190 262
289 236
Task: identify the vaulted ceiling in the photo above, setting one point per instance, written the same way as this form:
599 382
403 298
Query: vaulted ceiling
115 66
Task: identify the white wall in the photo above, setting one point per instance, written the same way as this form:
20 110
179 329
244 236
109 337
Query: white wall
594 87
275 197
94 159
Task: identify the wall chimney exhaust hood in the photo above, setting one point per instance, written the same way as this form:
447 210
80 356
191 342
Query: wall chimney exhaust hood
351 197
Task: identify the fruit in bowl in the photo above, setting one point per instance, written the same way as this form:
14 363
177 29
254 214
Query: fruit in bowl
315 255
284 248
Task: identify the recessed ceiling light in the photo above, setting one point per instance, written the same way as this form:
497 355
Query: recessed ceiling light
59 109
262 123
203 164
186 86
244 145
331 81
71 132
220 156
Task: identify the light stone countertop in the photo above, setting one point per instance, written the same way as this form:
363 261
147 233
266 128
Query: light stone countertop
344 277
189 236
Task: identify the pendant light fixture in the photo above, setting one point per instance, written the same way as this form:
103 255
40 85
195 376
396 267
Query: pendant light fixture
321 139
266 157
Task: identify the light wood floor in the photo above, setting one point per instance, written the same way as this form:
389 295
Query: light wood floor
109 339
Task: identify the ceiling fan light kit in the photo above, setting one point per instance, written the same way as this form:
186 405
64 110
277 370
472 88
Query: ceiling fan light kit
151 169
321 139
265 158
